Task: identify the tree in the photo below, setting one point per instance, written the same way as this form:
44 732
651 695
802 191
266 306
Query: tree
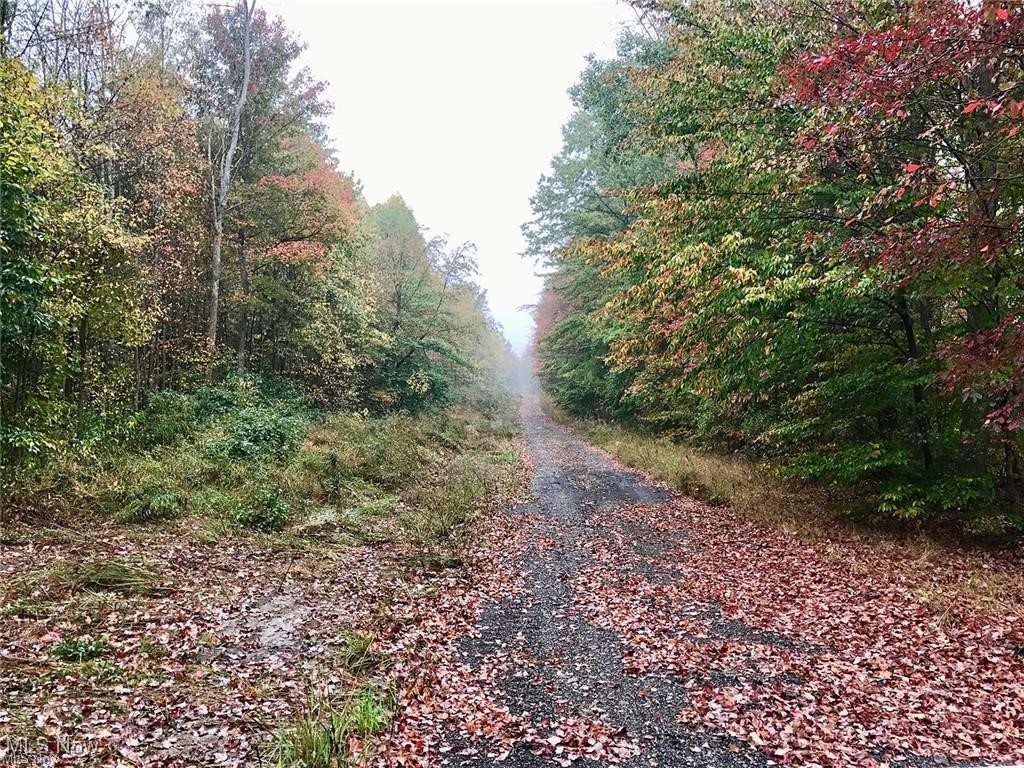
417 283
830 275
220 186
584 201
69 276
120 280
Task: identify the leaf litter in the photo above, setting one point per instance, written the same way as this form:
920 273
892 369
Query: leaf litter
824 653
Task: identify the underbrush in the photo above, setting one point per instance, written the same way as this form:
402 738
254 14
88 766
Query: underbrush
254 480
252 454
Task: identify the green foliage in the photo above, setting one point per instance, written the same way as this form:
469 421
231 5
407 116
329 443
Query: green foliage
357 653
258 434
790 286
152 504
67 278
265 511
79 649
105 249
319 737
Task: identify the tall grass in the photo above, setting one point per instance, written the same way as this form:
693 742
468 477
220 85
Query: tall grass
248 455
325 732
750 489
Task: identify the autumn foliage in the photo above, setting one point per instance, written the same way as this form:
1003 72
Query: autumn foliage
827 271
123 248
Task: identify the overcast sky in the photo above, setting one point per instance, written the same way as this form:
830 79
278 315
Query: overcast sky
457 106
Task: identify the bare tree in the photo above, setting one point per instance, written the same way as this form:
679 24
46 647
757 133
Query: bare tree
220 188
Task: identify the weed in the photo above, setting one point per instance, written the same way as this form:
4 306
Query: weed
102 672
170 417
79 649
505 457
27 609
153 650
8 538
357 653
258 434
444 507
370 711
266 512
152 504
438 513
114 576
385 452
98 575
321 734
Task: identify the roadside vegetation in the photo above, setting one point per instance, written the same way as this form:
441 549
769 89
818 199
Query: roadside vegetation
245 415
244 544
752 489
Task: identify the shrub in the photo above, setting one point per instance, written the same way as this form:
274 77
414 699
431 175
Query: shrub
170 417
260 434
266 512
152 504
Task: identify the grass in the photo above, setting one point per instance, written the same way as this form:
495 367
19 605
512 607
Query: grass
997 592
440 510
357 653
79 649
27 609
229 462
114 576
750 489
324 732
95 575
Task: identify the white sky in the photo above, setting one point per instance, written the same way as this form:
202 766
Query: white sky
457 106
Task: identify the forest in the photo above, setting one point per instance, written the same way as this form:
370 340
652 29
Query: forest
276 491
173 219
233 395
792 231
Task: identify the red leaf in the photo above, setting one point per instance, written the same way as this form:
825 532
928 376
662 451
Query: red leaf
972 105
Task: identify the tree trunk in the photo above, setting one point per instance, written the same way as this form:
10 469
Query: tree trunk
920 417
243 321
219 194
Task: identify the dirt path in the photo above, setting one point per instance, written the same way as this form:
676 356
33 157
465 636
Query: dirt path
577 680
610 639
